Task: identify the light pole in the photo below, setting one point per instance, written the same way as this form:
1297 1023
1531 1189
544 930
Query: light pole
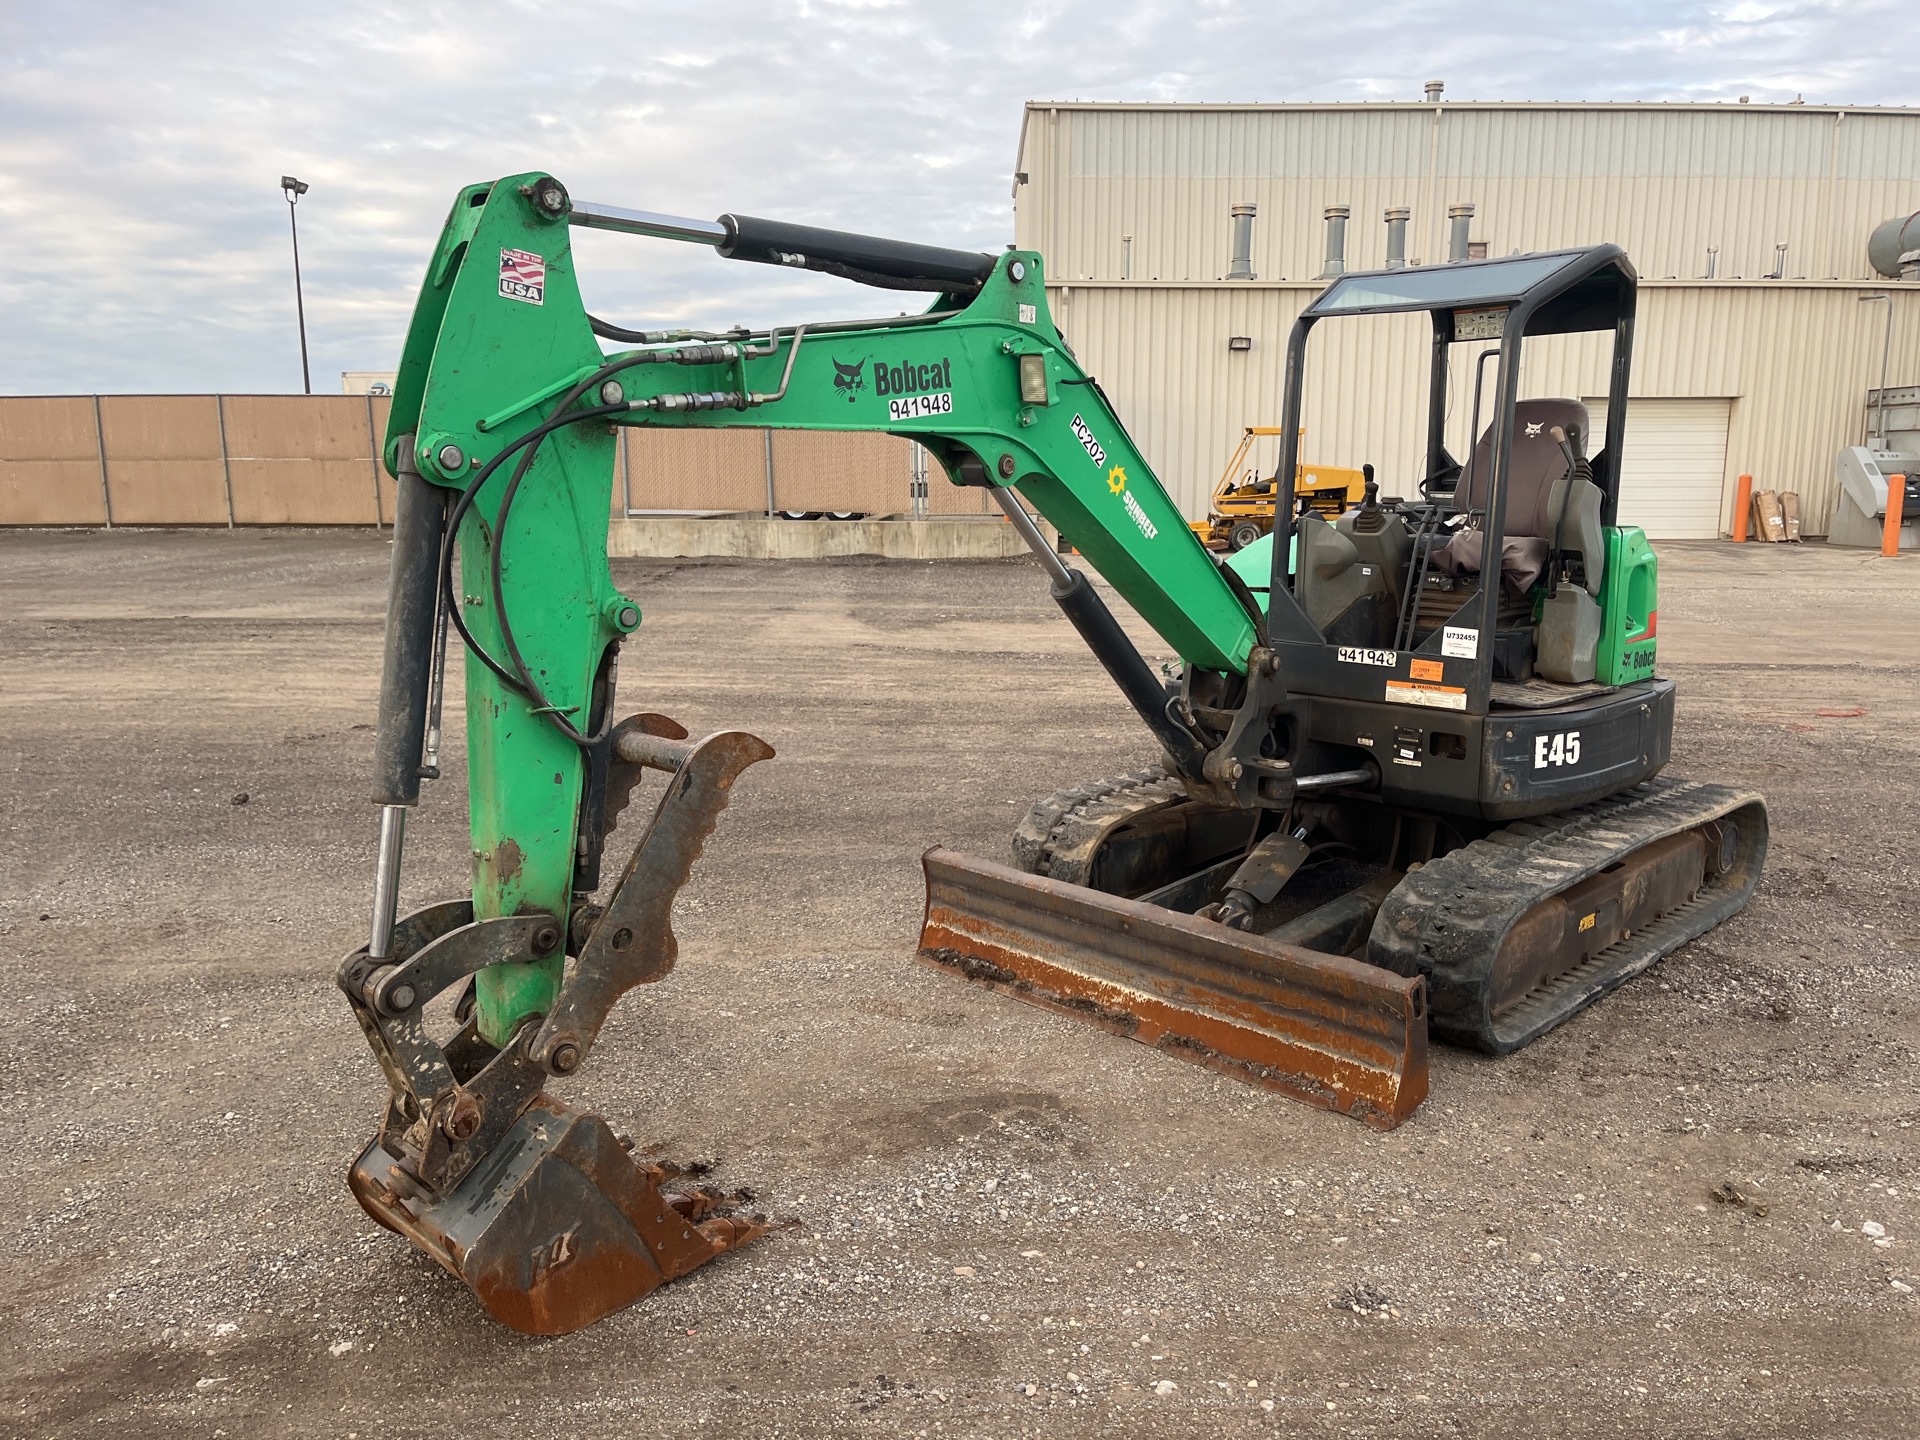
295 189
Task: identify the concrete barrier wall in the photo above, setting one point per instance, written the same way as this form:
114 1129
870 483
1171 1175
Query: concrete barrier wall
313 460
52 465
754 537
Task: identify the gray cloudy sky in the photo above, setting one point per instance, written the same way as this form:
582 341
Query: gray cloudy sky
141 145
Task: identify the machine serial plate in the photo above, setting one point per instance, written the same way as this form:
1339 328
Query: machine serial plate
1354 655
913 407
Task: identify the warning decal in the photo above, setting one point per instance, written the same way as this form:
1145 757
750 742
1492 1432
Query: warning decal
1435 697
523 276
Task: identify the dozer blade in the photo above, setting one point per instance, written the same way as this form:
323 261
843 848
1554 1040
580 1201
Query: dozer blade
557 1226
1324 1029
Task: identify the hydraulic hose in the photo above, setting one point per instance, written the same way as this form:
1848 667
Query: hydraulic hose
407 672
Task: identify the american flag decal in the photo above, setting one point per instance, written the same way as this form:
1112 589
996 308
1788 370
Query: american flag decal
523 276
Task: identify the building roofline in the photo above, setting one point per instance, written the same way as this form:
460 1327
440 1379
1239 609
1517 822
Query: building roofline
1300 106
1681 282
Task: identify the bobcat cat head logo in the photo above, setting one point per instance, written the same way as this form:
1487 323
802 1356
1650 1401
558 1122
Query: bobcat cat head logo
1535 427
850 379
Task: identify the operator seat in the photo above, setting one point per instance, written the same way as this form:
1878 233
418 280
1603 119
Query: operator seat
1542 497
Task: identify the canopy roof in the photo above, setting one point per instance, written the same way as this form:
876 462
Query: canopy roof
1563 291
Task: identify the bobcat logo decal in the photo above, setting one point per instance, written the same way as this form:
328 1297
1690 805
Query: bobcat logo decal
1534 427
850 379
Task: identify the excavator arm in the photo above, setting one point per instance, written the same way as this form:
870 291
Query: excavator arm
502 442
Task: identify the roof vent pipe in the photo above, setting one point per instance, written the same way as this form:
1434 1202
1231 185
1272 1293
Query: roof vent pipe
1397 218
1459 221
1242 266
1435 88
1336 241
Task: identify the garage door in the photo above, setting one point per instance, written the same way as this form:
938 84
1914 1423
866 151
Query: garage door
1676 462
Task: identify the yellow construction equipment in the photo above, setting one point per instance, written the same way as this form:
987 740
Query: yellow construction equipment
1242 507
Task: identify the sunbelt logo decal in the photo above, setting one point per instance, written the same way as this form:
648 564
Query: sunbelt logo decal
1117 483
1116 476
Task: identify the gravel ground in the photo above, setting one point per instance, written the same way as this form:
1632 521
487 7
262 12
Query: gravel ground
1691 1211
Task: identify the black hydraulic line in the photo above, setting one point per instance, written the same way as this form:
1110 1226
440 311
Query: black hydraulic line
450 536
1112 647
525 446
621 335
890 264
412 598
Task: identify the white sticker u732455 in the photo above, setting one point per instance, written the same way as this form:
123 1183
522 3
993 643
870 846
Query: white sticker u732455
1459 643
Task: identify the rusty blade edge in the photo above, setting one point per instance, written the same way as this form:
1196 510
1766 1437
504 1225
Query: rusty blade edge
1163 952
1371 1030
1323 1029
1245 963
1381 1095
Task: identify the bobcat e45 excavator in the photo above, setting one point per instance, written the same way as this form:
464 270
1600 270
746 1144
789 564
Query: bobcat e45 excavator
1408 782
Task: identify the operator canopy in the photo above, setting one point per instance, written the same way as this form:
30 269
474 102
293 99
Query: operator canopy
1557 292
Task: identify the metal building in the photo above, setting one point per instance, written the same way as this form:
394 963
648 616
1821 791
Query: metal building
1748 225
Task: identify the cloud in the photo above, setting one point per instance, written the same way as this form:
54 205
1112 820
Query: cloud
143 143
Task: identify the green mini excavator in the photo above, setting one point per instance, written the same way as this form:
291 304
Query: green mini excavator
1410 761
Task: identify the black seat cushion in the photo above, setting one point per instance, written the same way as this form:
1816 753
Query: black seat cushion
1538 463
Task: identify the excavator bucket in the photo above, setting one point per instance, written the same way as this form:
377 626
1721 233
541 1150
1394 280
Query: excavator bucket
558 1225
1324 1029
535 1205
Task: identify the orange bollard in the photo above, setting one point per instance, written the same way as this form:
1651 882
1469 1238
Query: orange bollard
1896 495
1742 506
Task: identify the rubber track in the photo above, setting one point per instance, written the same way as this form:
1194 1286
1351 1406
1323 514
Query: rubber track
1062 834
1447 919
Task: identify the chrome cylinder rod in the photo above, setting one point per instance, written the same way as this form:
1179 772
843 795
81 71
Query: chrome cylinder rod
386 880
1049 558
1335 780
645 222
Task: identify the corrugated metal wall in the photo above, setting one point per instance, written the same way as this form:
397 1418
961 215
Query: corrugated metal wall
1663 181
1795 360
311 460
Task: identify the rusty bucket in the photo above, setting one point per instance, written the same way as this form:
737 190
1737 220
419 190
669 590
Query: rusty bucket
557 1226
